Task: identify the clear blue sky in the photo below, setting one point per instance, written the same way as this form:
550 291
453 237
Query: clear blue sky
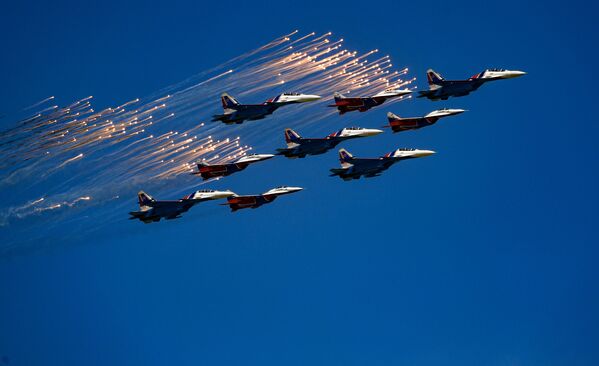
485 254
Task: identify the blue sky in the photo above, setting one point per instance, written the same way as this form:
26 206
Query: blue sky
484 254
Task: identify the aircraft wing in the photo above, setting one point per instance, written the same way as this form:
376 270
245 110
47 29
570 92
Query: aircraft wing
401 121
219 117
425 93
241 200
337 171
174 216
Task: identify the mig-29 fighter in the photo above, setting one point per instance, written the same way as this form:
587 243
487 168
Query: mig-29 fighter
238 202
398 124
208 171
362 104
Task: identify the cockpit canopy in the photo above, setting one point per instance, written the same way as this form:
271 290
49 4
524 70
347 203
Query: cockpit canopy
405 149
354 128
292 94
205 191
496 70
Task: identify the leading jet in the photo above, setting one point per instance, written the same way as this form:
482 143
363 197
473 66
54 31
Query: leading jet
234 112
362 104
239 202
299 147
398 124
354 168
208 171
441 89
151 210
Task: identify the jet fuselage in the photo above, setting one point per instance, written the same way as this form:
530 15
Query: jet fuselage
398 124
299 147
311 146
162 209
362 104
247 112
208 171
255 201
234 112
441 89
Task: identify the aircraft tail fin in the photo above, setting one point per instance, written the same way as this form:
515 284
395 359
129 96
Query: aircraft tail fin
201 164
434 78
228 101
338 96
291 136
145 199
392 116
345 156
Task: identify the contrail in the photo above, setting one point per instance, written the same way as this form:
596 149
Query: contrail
39 103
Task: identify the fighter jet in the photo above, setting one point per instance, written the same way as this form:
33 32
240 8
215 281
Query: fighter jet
398 124
239 202
362 104
298 147
238 113
151 210
208 171
440 88
354 168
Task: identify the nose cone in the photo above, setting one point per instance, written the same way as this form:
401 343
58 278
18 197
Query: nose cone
445 112
509 74
370 132
400 92
253 158
422 153
453 112
227 193
308 97
283 190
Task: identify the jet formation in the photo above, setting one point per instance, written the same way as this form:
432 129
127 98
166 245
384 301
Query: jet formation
352 168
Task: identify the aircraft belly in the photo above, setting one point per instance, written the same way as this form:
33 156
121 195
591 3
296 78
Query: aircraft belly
214 170
406 125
